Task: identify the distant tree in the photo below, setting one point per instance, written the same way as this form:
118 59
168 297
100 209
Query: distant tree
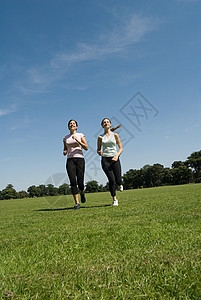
153 175
64 189
52 190
133 179
92 186
9 192
33 191
42 190
22 194
177 164
166 177
106 187
101 188
194 161
182 175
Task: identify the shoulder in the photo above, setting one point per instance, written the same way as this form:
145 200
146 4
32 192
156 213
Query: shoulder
66 137
80 134
116 136
100 137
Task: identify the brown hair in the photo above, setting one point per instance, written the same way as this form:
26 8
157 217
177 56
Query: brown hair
105 119
112 129
74 121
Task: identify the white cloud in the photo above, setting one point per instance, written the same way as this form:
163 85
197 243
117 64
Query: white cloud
115 42
7 111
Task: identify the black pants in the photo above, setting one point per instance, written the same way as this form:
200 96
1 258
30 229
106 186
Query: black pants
112 170
75 168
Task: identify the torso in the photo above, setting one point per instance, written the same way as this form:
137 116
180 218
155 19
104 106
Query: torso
73 148
109 145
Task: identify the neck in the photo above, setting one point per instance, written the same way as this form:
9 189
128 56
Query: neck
107 130
72 131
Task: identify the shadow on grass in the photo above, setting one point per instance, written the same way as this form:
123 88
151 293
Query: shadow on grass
68 208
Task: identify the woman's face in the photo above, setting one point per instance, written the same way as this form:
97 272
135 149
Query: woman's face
106 123
72 125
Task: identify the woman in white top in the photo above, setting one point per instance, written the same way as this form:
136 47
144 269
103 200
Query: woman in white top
110 157
75 165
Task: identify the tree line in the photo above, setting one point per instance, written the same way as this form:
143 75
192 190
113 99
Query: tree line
181 172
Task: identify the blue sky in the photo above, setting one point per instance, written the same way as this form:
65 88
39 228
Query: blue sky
134 61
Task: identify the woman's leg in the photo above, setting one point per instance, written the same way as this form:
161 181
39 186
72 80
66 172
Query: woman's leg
107 168
80 168
71 170
116 166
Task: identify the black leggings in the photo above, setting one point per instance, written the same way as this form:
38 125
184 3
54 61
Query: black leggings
75 168
112 170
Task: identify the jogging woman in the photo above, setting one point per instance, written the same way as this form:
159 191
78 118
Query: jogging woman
110 157
75 165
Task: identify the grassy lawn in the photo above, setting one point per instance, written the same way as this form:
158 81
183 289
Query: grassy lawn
146 248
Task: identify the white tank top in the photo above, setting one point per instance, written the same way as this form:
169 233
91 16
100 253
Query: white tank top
109 145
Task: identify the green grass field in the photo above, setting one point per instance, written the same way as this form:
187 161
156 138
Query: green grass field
146 248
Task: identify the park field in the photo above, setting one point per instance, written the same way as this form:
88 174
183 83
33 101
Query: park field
146 248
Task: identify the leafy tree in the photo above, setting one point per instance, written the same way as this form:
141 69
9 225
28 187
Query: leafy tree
64 189
22 194
153 175
33 191
42 189
92 186
133 179
166 177
177 164
52 190
194 161
9 192
182 175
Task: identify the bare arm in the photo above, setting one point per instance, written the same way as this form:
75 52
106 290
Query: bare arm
119 146
82 142
99 144
65 147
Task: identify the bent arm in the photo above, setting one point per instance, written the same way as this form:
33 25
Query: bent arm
99 144
119 146
82 142
65 147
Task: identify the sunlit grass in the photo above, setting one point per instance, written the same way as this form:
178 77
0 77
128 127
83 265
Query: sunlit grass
147 247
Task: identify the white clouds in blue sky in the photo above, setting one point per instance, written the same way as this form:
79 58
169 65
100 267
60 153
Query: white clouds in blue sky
115 41
85 59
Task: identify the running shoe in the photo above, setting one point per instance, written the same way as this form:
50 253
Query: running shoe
121 188
115 202
77 206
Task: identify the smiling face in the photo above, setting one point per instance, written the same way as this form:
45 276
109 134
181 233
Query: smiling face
106 123
72 125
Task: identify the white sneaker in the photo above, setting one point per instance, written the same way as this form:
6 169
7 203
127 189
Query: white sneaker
121 188
115 202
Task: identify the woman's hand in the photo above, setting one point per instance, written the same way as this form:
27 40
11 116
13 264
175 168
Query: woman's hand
64 152
100 152
75 138
115 158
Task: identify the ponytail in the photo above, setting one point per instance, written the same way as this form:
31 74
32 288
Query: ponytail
114 128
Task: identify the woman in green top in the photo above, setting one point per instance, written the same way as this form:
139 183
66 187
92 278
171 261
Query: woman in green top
110 157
